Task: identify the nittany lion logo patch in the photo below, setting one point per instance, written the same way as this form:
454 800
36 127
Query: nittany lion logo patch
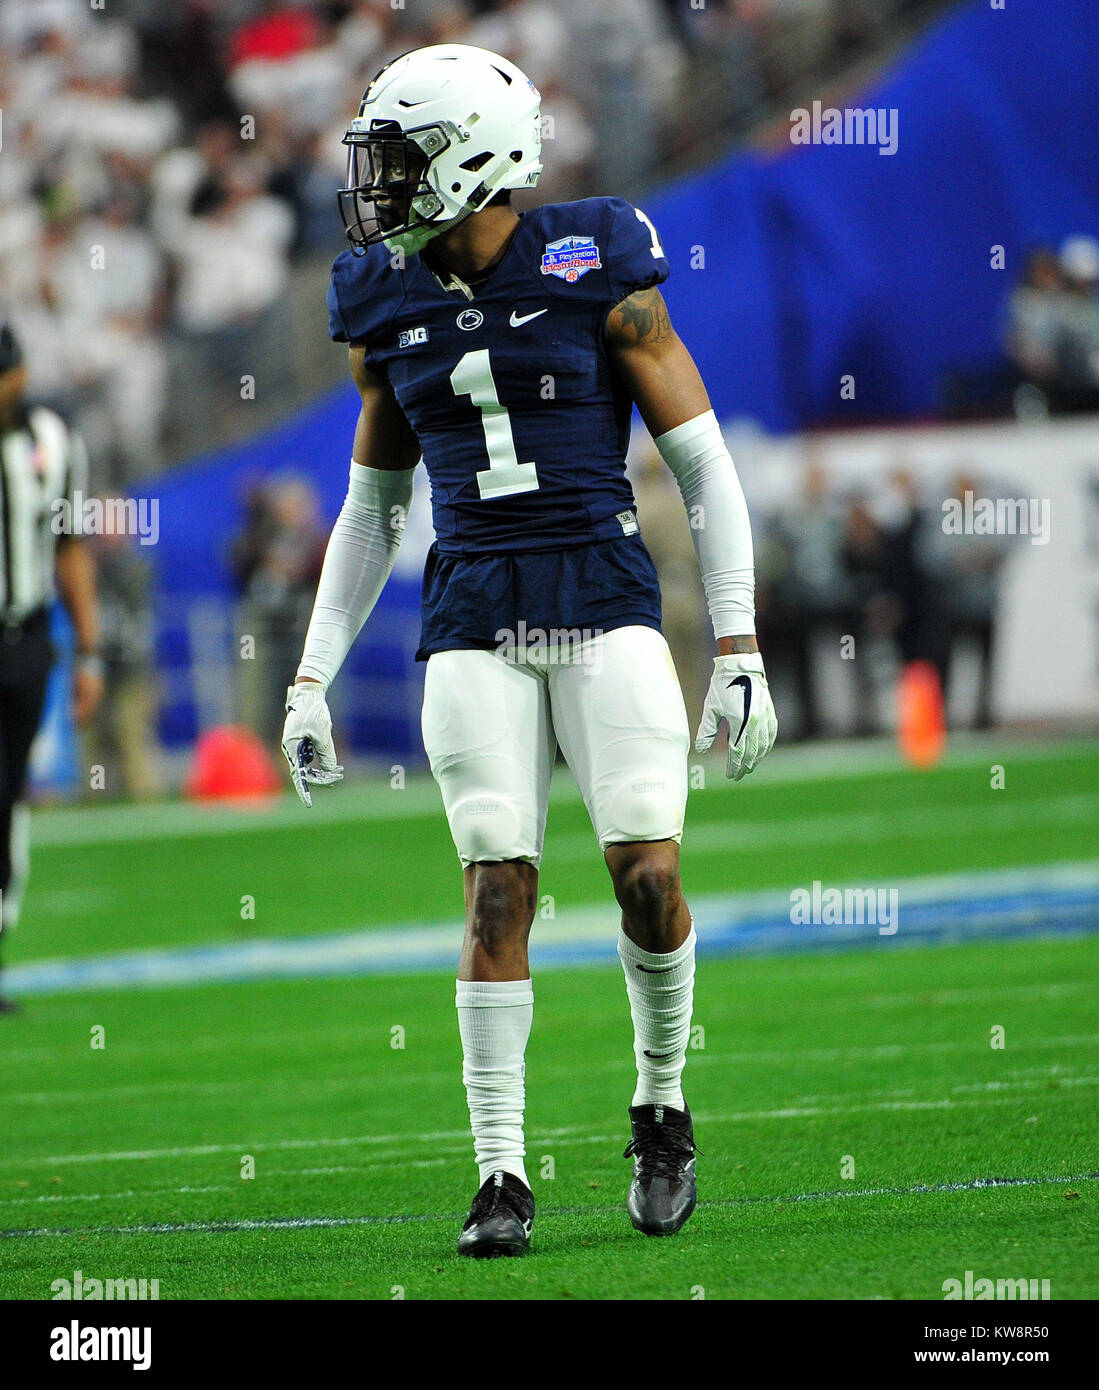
571 257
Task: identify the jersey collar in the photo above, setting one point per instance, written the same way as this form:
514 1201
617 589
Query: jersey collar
455 285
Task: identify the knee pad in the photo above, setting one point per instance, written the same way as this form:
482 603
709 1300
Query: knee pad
648 805
487 828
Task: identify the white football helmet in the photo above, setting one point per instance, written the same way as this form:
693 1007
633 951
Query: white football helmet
439 132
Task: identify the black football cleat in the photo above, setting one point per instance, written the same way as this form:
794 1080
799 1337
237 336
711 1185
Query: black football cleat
662 1194
500 1219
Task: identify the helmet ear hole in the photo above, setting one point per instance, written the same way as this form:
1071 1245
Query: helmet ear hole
455 188
516 156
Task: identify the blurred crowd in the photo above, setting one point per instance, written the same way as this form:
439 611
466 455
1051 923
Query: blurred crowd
859 580
875 563
1051 335
122 736
276 561
1049 341
174 164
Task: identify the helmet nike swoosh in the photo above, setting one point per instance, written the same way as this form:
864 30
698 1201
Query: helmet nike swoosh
746 682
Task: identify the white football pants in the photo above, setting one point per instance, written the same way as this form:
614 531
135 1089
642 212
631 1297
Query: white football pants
492 722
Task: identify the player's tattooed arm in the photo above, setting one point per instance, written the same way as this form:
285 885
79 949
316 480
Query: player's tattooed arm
652 362
383 437
660 375
641 317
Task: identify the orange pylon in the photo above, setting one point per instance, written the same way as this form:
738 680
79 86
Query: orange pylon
921 718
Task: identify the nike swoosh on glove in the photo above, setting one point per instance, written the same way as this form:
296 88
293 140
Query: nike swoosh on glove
738 693
307 716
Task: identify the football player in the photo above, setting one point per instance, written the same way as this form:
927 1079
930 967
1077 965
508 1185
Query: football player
509 350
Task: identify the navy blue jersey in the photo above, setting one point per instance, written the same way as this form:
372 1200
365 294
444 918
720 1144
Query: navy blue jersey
489 601
523 428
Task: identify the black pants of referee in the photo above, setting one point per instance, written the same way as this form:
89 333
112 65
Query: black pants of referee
26 656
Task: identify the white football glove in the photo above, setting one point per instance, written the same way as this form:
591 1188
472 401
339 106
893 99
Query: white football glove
738 693
307 739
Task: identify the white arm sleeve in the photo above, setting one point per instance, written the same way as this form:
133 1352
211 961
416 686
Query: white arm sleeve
718 516
360 555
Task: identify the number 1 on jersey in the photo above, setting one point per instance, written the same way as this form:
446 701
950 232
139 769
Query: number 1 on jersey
654 241
505 475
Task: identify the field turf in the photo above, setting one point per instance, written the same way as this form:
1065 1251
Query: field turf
861 1136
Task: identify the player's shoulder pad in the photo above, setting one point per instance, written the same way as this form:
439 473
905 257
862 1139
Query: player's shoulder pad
622 246
363 295
636 259
630 248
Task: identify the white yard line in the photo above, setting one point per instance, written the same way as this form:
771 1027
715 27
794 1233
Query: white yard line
403 1156
326 1084
565 1135
298 1223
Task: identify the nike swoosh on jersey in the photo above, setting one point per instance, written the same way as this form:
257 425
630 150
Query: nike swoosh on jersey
746 682
517 322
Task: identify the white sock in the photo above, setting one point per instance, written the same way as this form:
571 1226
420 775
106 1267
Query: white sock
661 991
494 1019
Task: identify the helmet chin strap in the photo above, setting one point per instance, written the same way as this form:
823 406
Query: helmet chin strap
416 238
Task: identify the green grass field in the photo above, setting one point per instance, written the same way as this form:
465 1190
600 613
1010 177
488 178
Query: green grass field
126 1161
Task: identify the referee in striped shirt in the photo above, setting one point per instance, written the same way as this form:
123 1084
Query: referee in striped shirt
41 462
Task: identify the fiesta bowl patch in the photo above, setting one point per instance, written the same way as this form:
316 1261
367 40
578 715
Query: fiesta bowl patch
571 257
